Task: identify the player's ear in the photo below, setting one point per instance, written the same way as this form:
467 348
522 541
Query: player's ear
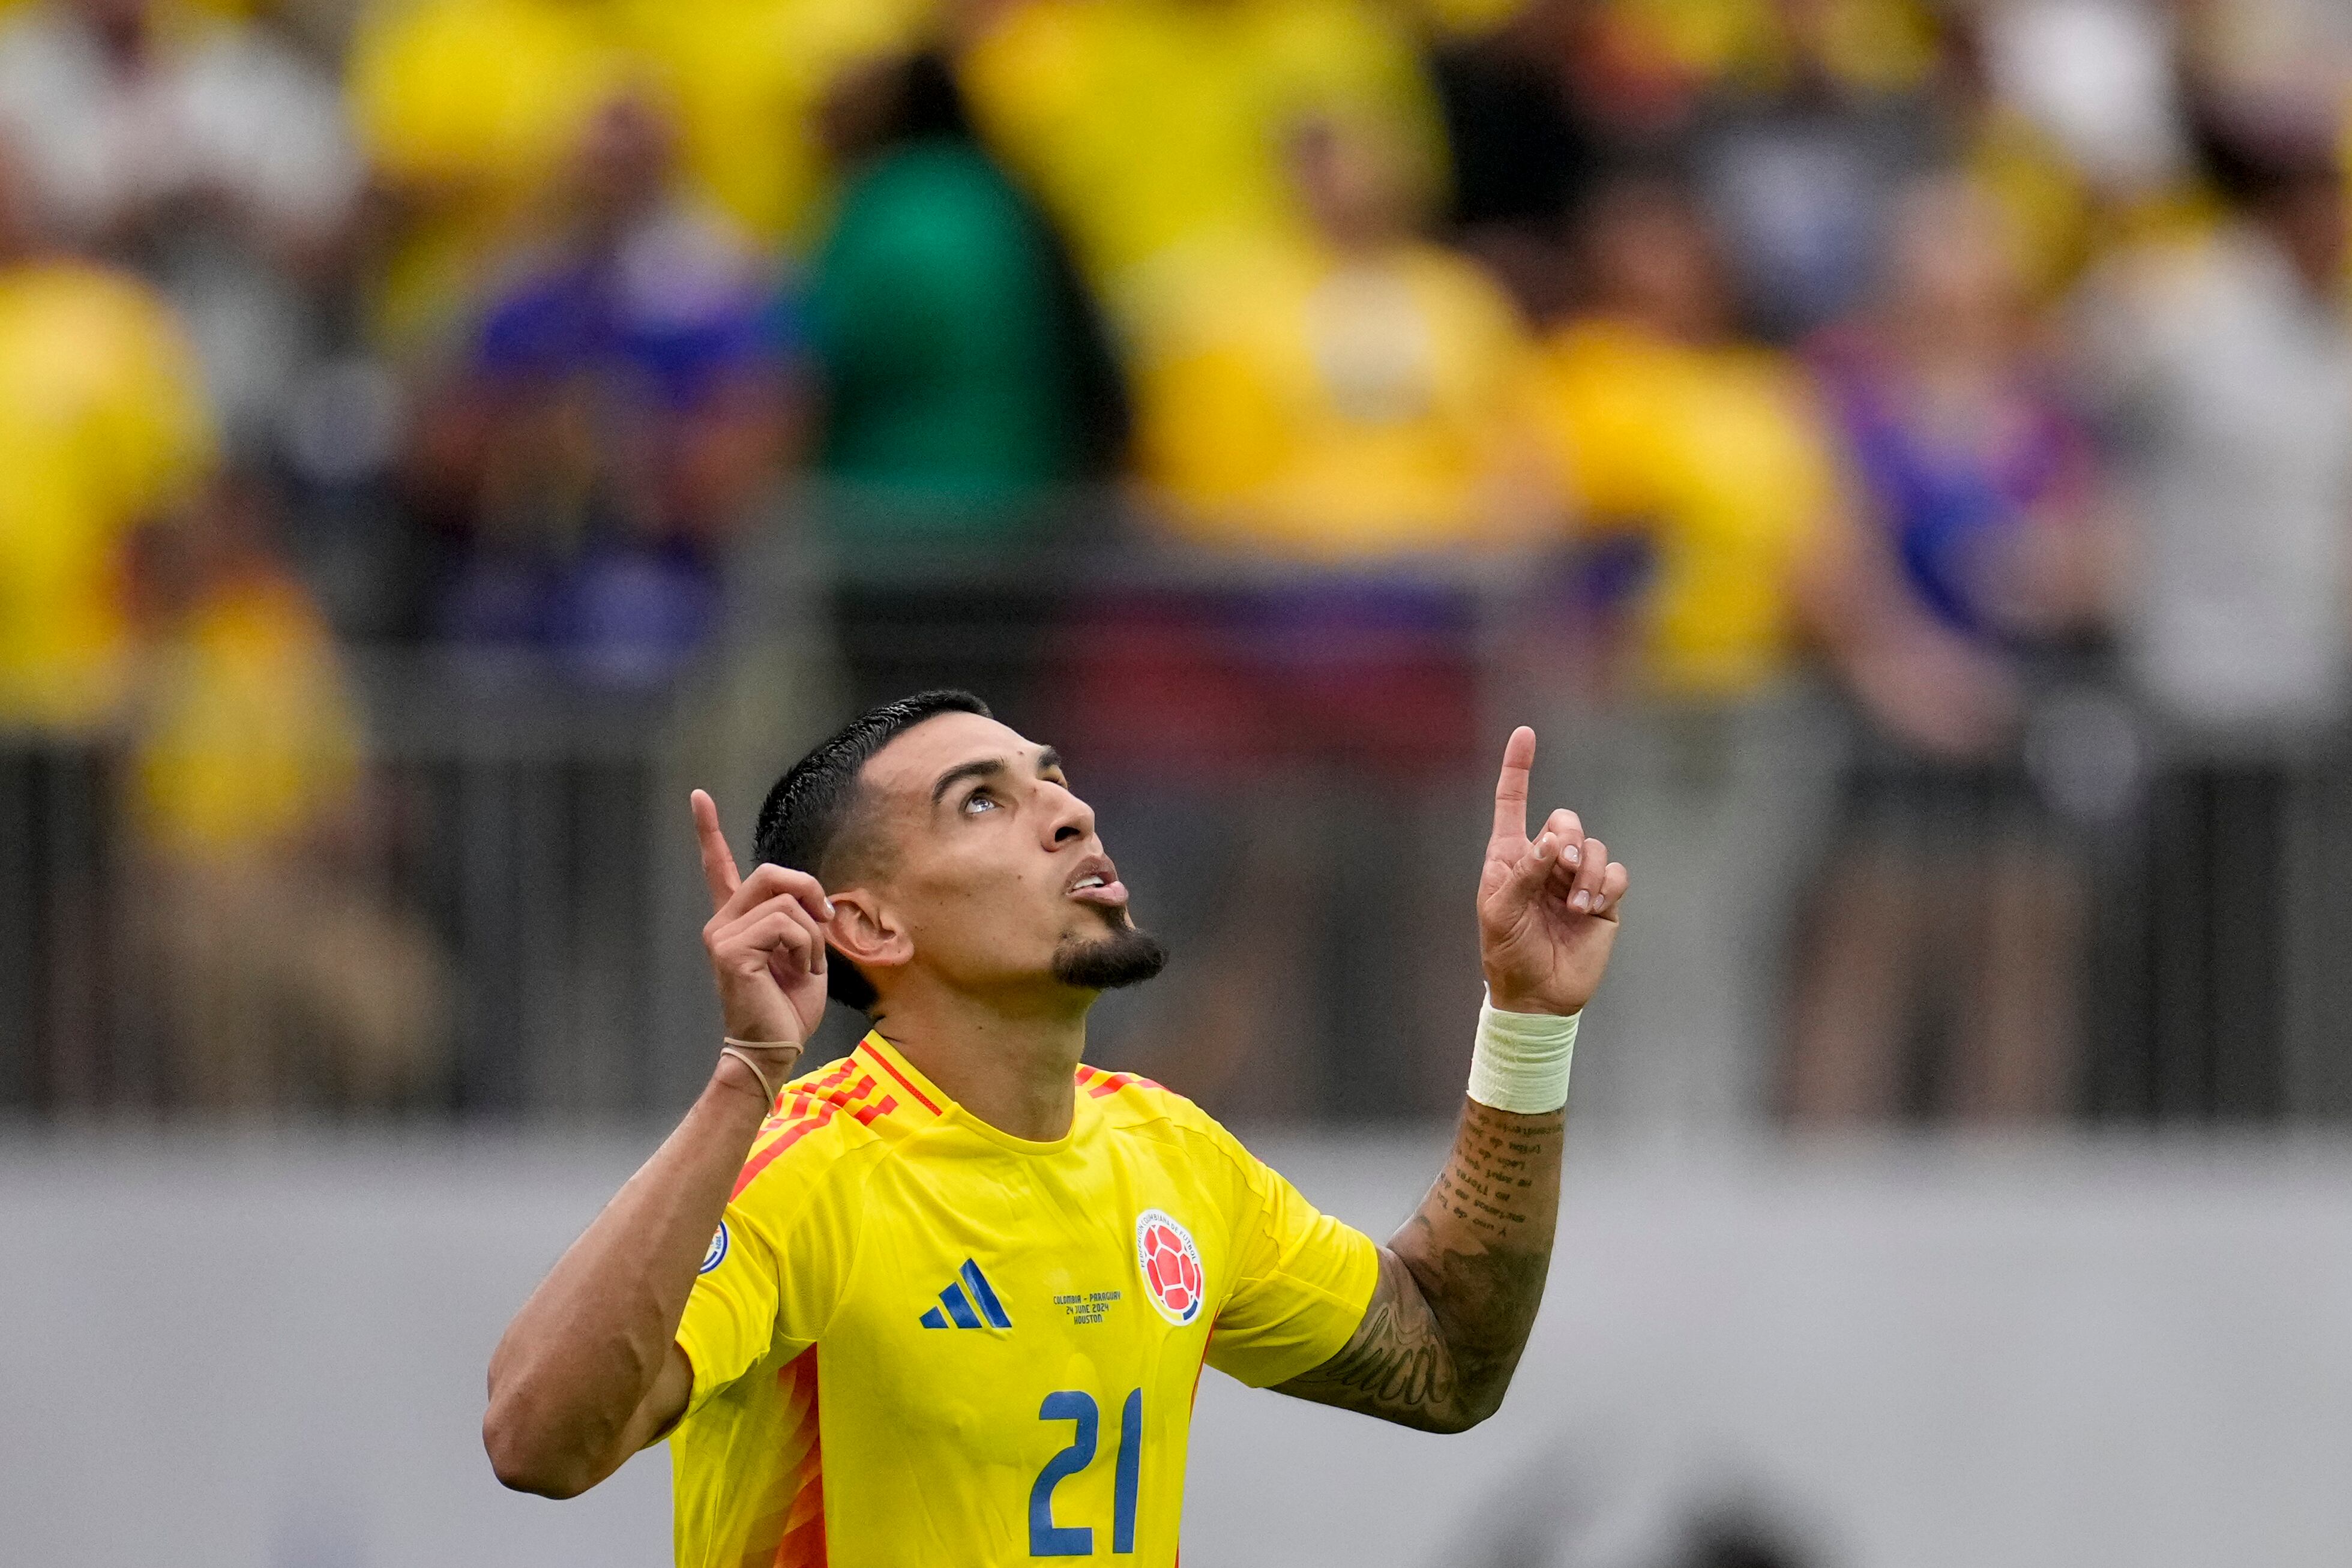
863 931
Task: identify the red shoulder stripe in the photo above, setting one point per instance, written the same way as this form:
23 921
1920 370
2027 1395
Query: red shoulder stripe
1113 1082
769 1155
882 1063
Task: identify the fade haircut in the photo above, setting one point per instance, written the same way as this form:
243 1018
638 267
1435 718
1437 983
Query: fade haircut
803 816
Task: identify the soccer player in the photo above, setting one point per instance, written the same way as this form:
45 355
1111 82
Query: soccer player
947 1302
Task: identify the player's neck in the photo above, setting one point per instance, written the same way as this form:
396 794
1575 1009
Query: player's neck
1009 1064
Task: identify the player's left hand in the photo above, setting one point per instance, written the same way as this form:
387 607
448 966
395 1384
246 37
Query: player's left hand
1547 908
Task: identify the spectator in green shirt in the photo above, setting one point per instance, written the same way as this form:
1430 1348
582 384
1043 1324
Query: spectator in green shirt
967 387
962 368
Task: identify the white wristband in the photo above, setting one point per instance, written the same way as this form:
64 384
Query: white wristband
1520 1062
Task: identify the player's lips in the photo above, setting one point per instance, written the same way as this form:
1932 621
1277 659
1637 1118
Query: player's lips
1096 882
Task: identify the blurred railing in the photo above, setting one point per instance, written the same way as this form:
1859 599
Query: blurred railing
1293 775
484 937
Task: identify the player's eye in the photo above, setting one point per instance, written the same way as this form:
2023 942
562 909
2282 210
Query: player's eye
978 801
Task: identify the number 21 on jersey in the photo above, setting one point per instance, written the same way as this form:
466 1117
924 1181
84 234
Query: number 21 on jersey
1047 1539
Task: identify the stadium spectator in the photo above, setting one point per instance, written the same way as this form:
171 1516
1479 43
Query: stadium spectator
967 385
1986 501
2017 152
1709 477
1151 125
1525 140
2224 366
619 414
280 976
1801 155
748 79
1331 432
1352 397
211 154
468 111
103 430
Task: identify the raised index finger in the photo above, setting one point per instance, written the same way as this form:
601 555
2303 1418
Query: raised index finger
718 860
1511 788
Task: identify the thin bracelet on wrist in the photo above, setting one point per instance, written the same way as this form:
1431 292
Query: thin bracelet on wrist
741 1049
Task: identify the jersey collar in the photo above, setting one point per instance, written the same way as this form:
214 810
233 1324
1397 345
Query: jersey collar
908 1080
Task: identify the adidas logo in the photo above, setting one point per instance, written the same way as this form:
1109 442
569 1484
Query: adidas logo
955 1307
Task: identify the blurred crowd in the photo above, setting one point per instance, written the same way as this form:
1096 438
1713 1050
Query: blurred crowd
1907 442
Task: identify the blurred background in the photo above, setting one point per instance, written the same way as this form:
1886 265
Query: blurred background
1896 452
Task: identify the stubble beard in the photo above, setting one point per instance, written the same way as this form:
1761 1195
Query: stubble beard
1122 956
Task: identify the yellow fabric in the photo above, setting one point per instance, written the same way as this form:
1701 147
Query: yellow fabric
2048 204
746 77
103 427
1145 123
249 739
827 1423
1292 405
1720 458
473 105
1882 45
1468 18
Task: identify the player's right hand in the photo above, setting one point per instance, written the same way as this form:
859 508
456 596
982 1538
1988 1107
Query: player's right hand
766 941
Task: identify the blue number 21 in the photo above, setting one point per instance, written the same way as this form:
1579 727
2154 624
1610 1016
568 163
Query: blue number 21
1047 1539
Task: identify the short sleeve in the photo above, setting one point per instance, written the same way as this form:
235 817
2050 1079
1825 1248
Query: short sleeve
773 1272
1302 1282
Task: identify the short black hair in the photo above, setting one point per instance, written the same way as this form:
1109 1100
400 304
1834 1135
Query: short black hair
810 805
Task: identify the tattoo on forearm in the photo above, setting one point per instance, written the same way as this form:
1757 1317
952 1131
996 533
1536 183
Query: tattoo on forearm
1397 1359
1459 1285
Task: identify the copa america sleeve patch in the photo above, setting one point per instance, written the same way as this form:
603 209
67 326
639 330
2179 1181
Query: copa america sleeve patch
717 1253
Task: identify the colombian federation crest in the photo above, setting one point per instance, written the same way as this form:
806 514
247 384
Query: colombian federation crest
1170 1265
717 1253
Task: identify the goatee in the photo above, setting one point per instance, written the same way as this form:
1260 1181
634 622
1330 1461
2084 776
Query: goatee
1126 956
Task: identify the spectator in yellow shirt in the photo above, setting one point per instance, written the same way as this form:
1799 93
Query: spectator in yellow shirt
281 975
102 428
748 79
1332 426
1708 450
1146 125
467 110
1352 396
1709 477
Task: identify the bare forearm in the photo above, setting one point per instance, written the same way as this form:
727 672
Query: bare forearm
575 1368
1459 1284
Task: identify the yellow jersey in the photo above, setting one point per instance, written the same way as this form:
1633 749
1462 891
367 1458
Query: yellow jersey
1720 457
1146 125
918 1340
103 427
1298 404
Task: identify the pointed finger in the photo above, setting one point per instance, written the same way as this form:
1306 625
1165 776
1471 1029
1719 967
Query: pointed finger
1511 788
717 861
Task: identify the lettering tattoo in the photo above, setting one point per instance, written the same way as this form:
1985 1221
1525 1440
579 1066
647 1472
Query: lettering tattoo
1458 1286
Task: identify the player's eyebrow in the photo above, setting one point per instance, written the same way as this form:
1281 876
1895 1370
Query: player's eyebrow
1048 761
983 767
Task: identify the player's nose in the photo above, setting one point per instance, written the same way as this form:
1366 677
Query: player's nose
1070 820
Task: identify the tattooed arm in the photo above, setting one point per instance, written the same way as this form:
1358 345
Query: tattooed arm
1459 1285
